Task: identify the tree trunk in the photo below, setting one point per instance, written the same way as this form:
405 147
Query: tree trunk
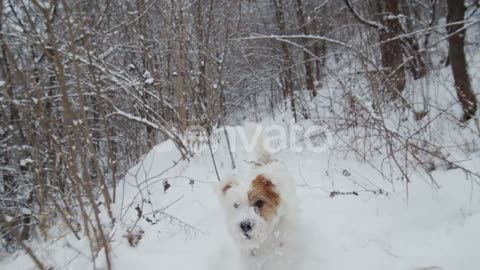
391 51
287 59
180 92
307 58
456 54
416 63
389 31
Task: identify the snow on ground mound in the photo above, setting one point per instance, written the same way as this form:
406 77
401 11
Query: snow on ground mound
181 222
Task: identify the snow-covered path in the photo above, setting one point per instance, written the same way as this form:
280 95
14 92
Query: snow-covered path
437 229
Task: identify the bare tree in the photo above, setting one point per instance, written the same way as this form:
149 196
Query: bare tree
287 63
307 58
458 61
388 29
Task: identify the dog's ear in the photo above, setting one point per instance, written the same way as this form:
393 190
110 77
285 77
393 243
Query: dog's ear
226 184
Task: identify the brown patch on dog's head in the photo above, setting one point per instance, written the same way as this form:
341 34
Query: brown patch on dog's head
264 197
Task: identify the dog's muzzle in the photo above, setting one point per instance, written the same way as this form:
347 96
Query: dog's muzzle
246 227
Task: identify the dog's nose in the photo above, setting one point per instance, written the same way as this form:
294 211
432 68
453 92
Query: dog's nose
246 226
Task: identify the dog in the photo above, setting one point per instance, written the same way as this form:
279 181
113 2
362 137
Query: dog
261 214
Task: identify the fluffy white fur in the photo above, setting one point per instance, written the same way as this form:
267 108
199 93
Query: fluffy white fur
269 245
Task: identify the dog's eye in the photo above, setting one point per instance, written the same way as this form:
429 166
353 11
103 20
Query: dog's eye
236 205
259 204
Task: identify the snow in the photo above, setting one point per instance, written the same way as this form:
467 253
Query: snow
434 229
8 218
77 122
25 162
149 81
147 76
25 211
136 118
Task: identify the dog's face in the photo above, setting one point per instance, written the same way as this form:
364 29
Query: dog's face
252 210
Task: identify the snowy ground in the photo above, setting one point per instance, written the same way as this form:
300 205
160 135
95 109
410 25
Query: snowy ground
436 229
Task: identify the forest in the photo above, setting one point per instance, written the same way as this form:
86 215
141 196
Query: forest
89 88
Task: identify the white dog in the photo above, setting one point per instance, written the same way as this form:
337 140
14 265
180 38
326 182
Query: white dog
261 212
